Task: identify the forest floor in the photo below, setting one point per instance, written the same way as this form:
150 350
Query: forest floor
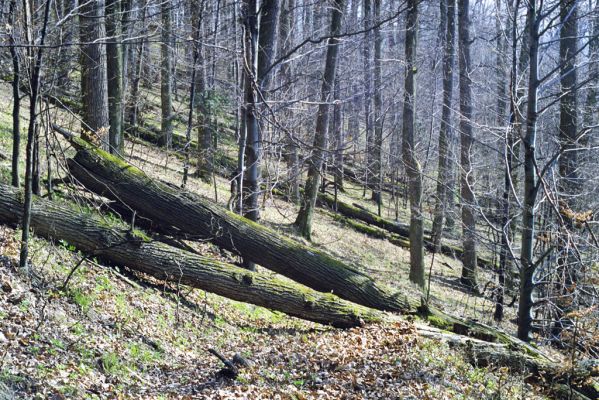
112 333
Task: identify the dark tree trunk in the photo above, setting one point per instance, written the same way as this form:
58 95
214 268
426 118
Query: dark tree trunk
114 76
200 218
250 150
166 78
466 143
527 266
118 245
412 165
304 217
94 85
34 82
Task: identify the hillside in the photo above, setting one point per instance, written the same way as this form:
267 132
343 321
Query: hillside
114 333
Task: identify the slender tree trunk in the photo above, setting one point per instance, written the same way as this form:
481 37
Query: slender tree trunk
33 99
304 217
445 126
527 266
367 14
569 185
133 103
94 84
115 76
252 149
466 141
378 112
166 78
16 100
504 254
412 165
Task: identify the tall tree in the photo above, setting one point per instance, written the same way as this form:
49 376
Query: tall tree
527 266
16 96
114 75
378 111
570 185
304 217
466 142
166 79
412 166
448 39
35 83
94 83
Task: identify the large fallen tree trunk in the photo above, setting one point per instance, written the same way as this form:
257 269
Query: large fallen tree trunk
168 205
115 243
201 218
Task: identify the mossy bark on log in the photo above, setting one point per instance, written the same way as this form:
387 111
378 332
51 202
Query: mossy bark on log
116 244
351 211
202 219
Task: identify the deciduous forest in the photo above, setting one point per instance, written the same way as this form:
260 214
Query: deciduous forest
299 199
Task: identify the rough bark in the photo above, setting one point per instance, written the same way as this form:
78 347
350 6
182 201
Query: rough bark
200 218
466 142
94 85
117 244
166 79
114 76
304 217
445 125
250 148
412 165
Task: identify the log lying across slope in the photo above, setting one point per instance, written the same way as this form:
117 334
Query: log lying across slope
351 211
201 218
109 241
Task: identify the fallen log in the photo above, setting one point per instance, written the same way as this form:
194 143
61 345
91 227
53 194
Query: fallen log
117 244
112 177
201 218
354 211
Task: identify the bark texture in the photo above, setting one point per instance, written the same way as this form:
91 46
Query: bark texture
200 218
117 244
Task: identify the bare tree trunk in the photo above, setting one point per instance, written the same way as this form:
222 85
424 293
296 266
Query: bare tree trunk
367 14
166 79
114 76
527 266
16 99
252 146
378 112
304 217
445 126
467 141
33 99
569 185
94 84
412 165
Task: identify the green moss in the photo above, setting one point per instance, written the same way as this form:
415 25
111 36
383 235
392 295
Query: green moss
440 322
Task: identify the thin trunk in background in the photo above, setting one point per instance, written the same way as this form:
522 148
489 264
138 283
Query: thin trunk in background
468 277
16 98
166 79
445 130
412 166
377 163
115 76
304 217
33 100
